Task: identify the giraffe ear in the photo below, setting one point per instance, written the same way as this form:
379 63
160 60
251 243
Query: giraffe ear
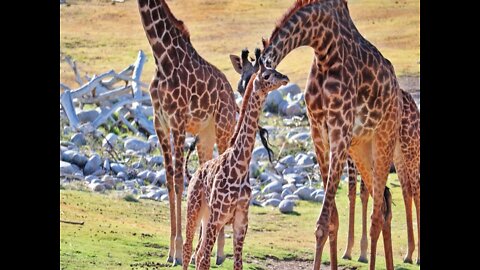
264 42
237 63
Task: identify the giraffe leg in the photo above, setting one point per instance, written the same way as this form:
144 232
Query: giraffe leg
327 223
352 190
223 132
332 236
179 142
194 212
400 167
383 147
205 152
220 247
364 241
386 230
416 198
240 226
208 242
165 145
200 246
362 156
321 145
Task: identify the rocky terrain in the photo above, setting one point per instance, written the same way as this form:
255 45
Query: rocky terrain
109 161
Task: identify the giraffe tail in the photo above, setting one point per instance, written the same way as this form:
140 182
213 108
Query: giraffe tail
387 202
264 138
191 148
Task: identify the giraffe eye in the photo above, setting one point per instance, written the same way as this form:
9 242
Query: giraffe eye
266 76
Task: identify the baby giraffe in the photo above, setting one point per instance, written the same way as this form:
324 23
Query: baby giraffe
219 191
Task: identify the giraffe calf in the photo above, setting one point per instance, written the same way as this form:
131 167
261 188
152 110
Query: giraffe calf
219 192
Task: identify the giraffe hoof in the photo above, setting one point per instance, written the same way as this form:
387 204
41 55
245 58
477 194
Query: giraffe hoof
170 259
363 259
408 260
347 257
220 260
418 261
177 262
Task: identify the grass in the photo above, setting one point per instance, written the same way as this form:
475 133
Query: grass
119 234
102 36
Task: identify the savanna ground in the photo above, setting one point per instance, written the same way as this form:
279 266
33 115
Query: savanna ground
120 234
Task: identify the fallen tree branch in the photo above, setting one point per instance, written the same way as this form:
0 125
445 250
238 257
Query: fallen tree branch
73 222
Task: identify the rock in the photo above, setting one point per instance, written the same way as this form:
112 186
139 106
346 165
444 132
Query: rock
253 182
154 194
94 164
304 193
122 175
78 139
293 178
273 100
317 195
164 197
153 141
300 137
304 160
67 168
293 170
91 178
255 193
108 182
74 157
298 97
290 88
253 169
130 183
274 186
117 168
286 192
294 109
268 177
112 138
106 165
279 167
137 145
291 198
286 206
282 107
140 182
143 174
87 116
151 176
161 177
137 165
259 153
290 187
155 160
273 195
288 160
98 187
271 202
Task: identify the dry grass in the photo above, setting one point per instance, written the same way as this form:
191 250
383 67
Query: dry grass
101 36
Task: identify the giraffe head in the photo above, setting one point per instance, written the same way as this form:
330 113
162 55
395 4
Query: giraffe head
245 68
268 79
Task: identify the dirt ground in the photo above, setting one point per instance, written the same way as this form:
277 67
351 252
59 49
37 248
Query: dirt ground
298 265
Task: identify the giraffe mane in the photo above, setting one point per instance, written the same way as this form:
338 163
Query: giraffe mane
179 24
246 98
290 11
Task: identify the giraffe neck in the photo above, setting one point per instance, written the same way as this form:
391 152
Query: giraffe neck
247 128
315 25
165 33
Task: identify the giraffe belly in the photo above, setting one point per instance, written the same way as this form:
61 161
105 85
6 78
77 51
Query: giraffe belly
195 124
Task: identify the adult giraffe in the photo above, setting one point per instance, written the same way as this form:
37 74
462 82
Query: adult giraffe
353 105
406 159
188 95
